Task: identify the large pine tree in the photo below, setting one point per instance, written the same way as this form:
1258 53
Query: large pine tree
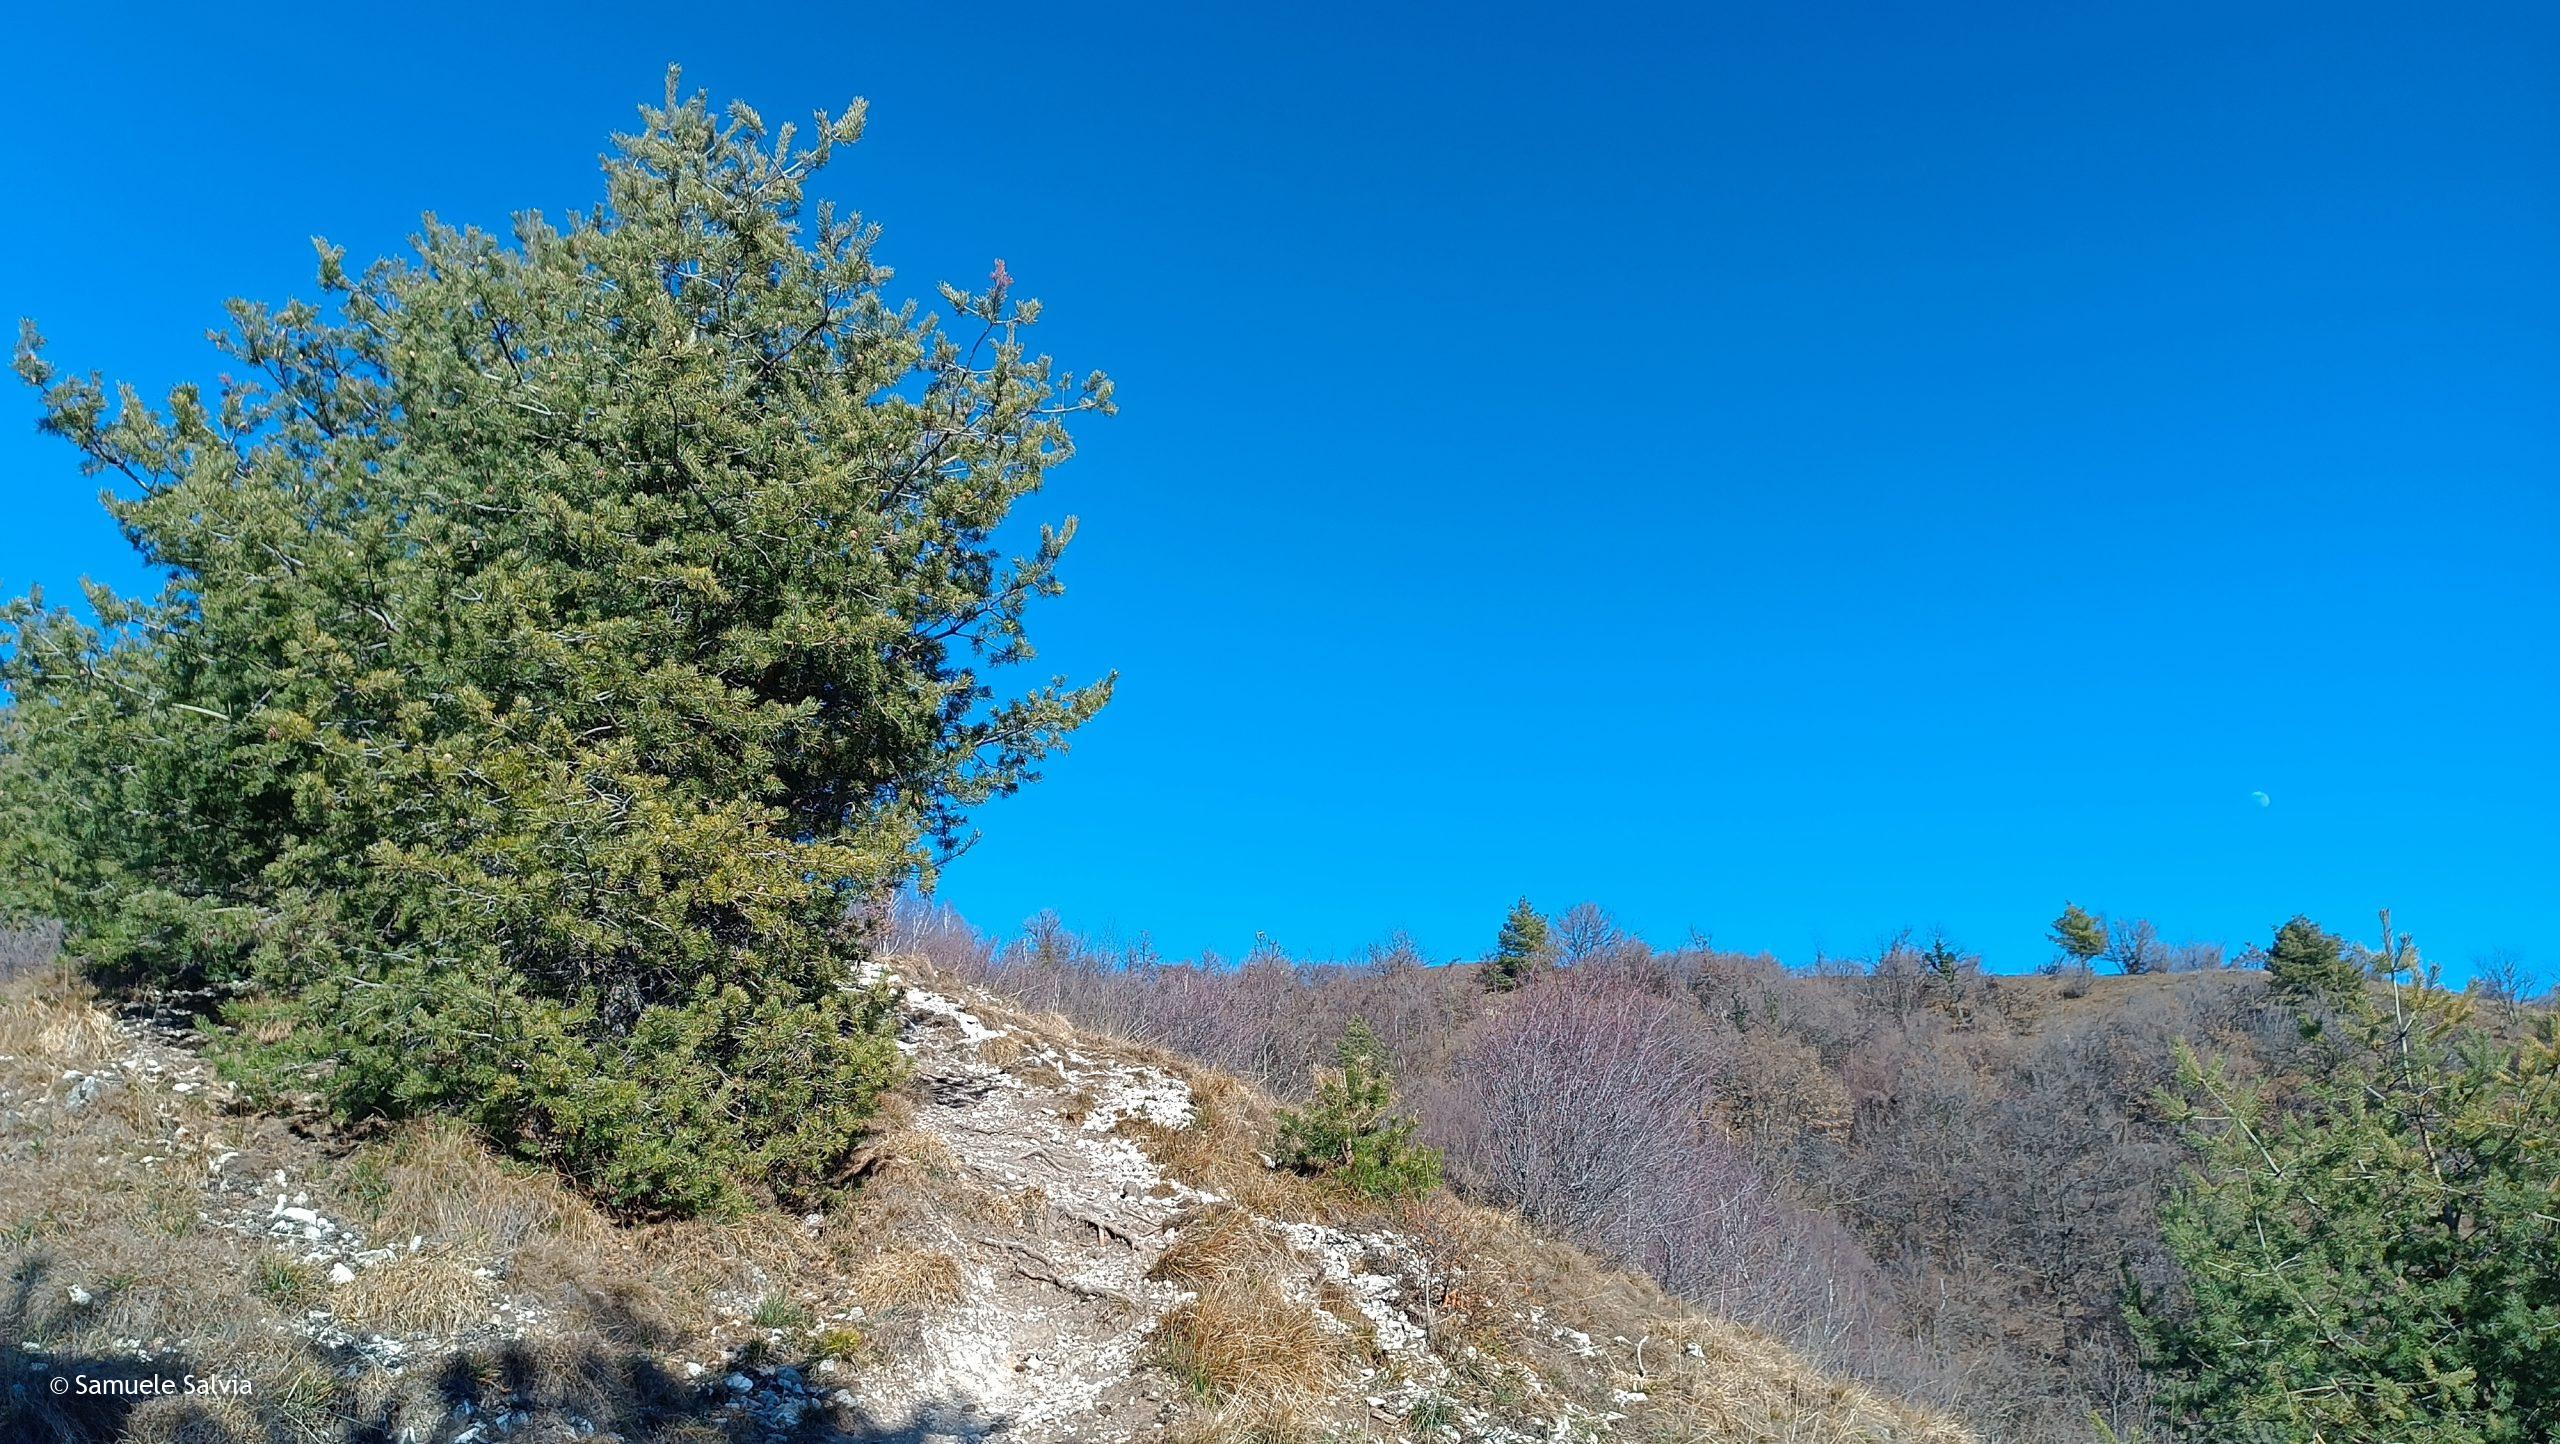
567 635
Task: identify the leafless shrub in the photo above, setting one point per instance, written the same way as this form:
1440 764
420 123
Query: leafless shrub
935 932
1563 1102
2196 958
2507 982
1584 1104
1587 934
2134 946
28 949
1398 955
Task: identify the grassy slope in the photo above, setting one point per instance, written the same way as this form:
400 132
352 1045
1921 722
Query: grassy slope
406 1279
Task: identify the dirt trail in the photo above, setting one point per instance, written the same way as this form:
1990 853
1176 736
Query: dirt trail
1049 1337
1017 1195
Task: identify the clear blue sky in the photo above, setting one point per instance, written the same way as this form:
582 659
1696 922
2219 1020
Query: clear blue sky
1785 471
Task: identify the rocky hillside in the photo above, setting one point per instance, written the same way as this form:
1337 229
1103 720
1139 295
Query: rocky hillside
1061 1238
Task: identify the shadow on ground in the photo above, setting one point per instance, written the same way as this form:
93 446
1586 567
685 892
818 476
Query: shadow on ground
54 1395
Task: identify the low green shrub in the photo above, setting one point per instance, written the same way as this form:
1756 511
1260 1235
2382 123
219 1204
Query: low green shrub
1350 1136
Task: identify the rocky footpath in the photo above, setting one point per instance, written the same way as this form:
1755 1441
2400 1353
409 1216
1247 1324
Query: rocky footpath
1052 1335
1058 1238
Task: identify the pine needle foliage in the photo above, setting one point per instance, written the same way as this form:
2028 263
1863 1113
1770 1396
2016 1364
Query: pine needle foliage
2369 1247
2309 964
1524 947
565 635
2079 934
1350 1134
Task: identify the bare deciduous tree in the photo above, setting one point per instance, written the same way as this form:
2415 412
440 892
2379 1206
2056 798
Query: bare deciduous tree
2196 958
1586 933
2133 945
2507 982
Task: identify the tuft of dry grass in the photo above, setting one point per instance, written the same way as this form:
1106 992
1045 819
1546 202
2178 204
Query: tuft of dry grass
1742 1385
432 1292
435 1180
1243 1343
913 1278
1220 1150
1465 1275
1215 1241
1008 1048
53 1017
699 1259
902 1155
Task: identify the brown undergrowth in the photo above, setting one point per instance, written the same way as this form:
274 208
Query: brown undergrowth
153 1223
143 1230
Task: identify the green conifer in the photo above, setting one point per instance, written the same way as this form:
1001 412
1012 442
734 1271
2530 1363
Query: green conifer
1350 1135
1522 948
2308 963
2368 1247
2080 934
569 633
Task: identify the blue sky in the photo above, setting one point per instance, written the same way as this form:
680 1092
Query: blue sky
1784 472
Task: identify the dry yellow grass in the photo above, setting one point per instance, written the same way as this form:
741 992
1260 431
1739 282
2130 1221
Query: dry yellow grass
910 1278
103 1194
702 1259
902 1154
101 1189
430 1292
1220 1151
650 1286
1743 1386
1244 1344
1211 1242
110 1197
1009 1049
53 1017
437 1181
